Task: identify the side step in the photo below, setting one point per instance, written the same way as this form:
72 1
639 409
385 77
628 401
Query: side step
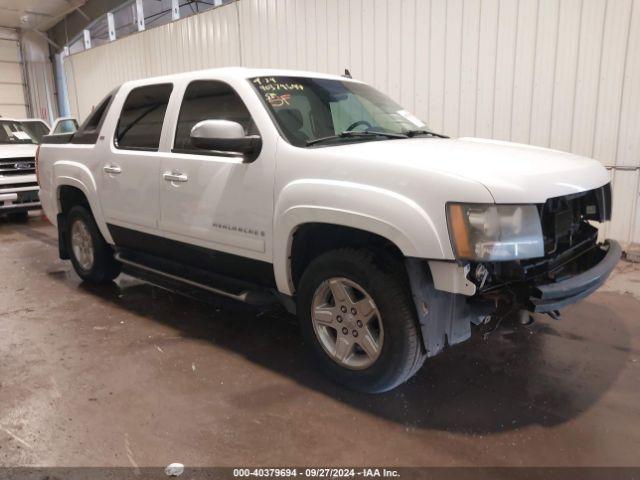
182 274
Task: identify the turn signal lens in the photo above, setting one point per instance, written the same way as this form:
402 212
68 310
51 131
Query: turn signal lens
459 231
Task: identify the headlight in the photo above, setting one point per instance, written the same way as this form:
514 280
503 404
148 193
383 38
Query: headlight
495 232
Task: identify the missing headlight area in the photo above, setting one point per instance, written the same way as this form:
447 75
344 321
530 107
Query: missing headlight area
571 249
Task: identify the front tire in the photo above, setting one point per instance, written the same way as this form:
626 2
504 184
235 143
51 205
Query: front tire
90 254
359 319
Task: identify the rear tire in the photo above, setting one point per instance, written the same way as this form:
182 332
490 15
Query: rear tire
368 357
90 254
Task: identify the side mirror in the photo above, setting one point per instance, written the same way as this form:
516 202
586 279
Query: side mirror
225 136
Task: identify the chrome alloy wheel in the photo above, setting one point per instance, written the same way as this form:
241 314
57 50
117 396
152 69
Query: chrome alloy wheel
347 323
82 245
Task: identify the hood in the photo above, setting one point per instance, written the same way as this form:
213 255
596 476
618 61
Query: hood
512 172
17 151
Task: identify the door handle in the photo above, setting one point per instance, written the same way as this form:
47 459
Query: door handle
113 169
175 177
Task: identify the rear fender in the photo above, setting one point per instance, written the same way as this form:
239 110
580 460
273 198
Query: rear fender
75 174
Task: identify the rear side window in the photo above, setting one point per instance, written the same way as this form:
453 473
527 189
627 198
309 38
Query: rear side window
140 123
209 100
90 129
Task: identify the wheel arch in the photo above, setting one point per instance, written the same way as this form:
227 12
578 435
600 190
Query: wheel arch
318 230
76 190
408 226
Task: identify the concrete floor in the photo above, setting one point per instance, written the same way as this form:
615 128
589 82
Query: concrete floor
130 374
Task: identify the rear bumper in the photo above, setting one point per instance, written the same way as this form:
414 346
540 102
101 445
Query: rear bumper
554 296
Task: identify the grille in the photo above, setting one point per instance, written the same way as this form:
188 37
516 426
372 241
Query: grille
565 219
11 186
17 166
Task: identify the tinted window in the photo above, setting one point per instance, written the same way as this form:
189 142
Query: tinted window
210 100
140 122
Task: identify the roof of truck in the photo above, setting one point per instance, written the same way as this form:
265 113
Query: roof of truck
236 72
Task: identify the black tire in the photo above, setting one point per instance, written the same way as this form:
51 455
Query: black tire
19 217
402 353
104 268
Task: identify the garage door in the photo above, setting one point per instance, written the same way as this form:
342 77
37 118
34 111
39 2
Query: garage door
11 86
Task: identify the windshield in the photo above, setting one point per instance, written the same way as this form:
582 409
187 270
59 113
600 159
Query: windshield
13 133
308 109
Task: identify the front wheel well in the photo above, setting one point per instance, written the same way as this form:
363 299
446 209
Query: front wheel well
313 239
69 197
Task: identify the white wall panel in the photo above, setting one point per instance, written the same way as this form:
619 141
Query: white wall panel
487 52
588 76
12 95
614 53
505 68
562 74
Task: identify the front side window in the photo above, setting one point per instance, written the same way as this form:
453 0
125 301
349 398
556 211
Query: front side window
307 109
12 133
209 100
140 123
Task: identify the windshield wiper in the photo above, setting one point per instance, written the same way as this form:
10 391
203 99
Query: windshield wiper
354 134
413 133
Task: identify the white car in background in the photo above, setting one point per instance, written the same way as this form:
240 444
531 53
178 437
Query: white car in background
18 185
38 128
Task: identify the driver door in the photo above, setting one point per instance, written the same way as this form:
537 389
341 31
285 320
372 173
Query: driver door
214 199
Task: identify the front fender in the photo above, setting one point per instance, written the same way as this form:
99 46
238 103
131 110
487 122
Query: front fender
75 174
382 212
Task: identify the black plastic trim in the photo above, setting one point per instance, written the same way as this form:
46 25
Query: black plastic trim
554 296
63 250
57 138
211 153
89 136
213 261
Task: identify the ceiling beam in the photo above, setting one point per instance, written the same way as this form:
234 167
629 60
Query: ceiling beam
46 37
73 5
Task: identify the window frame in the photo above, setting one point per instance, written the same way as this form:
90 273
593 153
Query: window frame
200 151
164 119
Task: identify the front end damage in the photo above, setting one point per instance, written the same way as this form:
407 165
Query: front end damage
574 265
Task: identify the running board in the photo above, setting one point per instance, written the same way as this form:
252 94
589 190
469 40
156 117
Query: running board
234 290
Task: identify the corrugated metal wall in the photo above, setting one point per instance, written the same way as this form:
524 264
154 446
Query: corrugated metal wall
12 95
561 74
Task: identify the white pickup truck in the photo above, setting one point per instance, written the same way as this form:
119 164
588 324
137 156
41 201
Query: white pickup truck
18 186
388 240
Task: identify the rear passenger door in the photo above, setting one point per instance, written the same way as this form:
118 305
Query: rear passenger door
131 171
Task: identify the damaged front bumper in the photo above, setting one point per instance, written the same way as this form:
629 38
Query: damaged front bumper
447 307
548 297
